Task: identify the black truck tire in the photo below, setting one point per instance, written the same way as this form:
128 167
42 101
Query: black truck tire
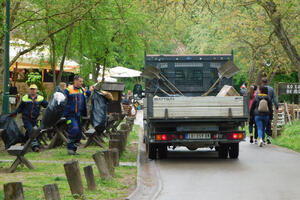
234 150
162 151
223 151
151 151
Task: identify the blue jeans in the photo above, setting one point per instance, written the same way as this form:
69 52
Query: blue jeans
261 123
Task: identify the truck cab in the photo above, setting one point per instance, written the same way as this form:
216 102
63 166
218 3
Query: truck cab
189 119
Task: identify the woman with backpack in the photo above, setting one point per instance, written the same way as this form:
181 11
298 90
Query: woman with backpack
252 94
263 112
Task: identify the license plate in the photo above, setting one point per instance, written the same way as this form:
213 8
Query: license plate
195 136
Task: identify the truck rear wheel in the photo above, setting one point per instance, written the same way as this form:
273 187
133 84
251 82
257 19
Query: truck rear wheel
162 151
234 151
151 151
223 151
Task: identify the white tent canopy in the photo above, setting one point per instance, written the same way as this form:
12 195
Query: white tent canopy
107 79
123 72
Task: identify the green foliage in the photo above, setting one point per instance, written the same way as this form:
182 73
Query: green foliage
290 137
36 78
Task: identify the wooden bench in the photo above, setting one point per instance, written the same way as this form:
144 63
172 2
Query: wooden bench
20 151
93 137
59 133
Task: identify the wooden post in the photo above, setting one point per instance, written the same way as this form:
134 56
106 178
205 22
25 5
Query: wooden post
288 113
89 176
13 191
51 192
116 157
124 135
275 121
109 161
101 165
115 143
125 127
293 111
74 178
121 138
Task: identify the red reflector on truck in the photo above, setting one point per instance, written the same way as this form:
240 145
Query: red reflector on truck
164 137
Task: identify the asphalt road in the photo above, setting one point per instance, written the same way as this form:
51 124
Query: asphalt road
260 173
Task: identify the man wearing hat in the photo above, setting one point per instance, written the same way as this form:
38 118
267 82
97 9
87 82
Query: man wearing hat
30 108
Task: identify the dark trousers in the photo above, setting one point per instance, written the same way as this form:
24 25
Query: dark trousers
251 126
74 133
28 125
269 128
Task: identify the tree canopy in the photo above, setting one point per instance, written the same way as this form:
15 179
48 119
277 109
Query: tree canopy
264 34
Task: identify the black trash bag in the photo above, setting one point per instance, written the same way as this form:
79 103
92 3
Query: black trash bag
55 109
12 134
98 111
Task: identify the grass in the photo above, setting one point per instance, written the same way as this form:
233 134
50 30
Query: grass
48 173
290 137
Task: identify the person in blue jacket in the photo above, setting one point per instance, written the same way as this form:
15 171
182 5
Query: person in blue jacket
30 107
76 108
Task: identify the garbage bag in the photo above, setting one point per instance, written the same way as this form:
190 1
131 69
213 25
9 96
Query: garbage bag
55 109
98 111
12 134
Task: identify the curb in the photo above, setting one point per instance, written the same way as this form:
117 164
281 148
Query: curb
145 190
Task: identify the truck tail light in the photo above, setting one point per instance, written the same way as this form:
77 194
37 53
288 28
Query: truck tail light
158 137
235 136
241 136
167 137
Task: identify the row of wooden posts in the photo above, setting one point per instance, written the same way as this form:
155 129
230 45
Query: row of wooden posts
105 160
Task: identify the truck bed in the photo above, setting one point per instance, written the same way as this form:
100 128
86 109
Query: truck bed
196 107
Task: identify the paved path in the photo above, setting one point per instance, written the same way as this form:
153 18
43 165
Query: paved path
267 173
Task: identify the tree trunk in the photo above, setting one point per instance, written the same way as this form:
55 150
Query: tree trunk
61 67
103 71
2 6
275 17
252 70
96 72
259 77
53 60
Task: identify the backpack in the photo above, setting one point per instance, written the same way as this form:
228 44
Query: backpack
263 106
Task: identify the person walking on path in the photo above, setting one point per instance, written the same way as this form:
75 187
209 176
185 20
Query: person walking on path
76 108
30 107
272 96
262 110
252 94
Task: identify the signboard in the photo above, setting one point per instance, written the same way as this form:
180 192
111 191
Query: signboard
288 88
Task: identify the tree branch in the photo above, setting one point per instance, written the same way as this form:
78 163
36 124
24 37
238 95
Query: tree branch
42 41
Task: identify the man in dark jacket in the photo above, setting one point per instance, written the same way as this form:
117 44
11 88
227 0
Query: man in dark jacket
263 112
76 108
30 107
272 96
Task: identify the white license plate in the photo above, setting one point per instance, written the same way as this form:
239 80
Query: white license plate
193 136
